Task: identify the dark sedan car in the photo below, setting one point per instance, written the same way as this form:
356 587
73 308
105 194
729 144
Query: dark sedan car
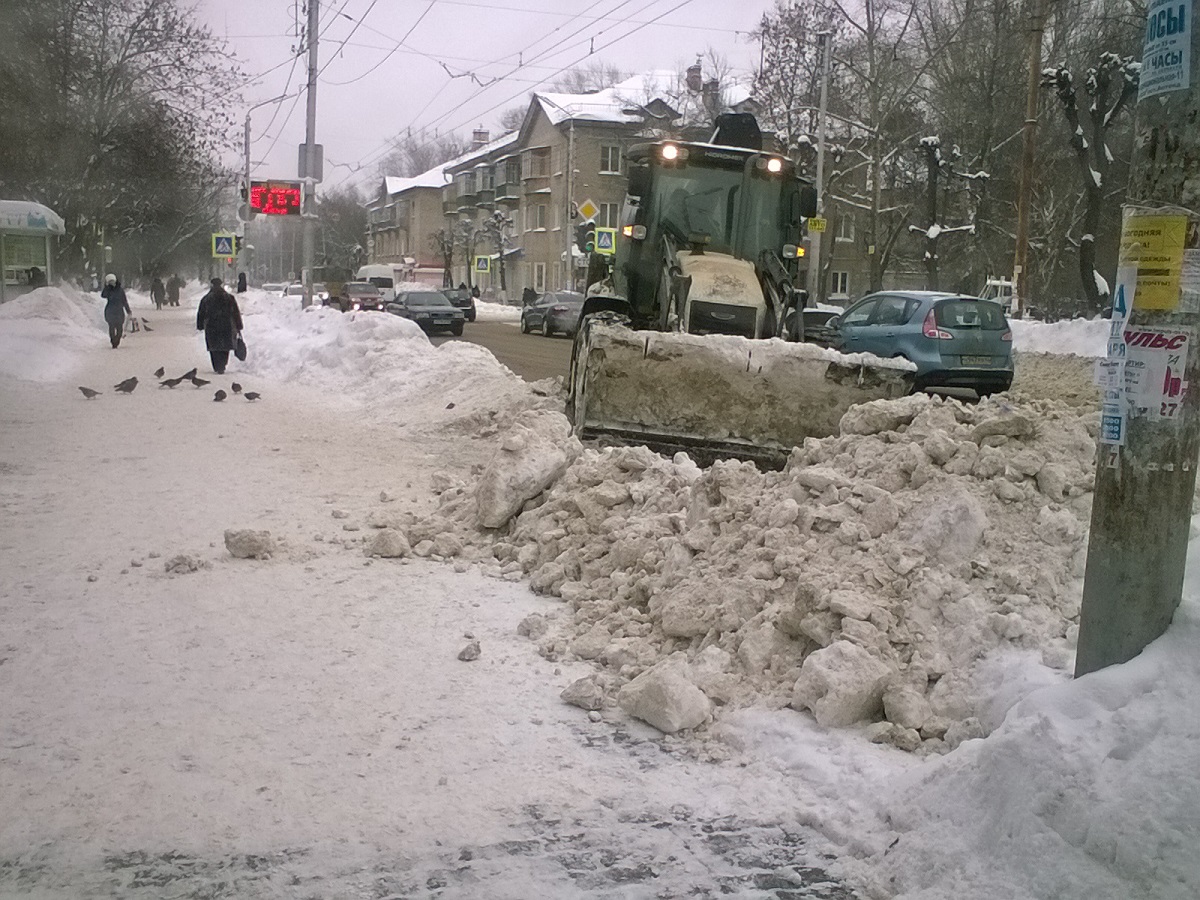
429 309
554 313
462 299
356 295
956 341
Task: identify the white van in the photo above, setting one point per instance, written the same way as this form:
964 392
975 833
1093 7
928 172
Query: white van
382 276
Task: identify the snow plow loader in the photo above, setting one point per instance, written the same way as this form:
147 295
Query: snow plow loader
694 341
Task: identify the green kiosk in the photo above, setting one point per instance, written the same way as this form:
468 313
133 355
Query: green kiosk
26 229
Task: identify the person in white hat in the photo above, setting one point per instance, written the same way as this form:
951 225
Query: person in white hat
115 309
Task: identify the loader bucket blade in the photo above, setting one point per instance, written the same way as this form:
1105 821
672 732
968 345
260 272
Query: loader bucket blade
727 395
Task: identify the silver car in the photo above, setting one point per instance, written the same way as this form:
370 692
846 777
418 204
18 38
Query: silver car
554 313
955 340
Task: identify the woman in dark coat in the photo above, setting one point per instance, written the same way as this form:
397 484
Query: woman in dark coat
115 309
158 292
221 321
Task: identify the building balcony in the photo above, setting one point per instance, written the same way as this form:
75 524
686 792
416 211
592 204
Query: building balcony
508 192
467 201
486 197
450 207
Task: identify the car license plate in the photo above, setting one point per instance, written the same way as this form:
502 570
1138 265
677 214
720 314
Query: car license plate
441 321
976 360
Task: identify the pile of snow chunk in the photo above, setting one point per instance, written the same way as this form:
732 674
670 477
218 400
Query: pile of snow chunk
877 577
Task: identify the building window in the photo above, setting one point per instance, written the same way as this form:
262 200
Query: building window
845 230
610 160
840 284
487 179
528 218
541 217
539 277
512 171
609 216
536 163
557 217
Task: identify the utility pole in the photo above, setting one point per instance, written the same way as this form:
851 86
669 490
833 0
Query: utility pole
1150 423
824 44
1037 27
310 153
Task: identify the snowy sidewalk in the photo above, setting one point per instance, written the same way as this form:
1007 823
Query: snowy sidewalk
301 726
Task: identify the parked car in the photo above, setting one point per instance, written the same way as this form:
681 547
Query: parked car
431 310
296 289
816 326
553 312
461 299
320 291
272 287
356 295
955 340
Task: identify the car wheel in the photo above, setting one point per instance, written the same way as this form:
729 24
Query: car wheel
546 329
471 316
457 329
524 325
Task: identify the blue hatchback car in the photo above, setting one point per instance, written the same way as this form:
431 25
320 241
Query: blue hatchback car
955 340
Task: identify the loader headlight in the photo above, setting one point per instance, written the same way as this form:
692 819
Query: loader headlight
774 164
673 153
635 232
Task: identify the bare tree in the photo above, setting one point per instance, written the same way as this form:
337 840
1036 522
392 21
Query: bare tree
443 242
588 78
1110 86
496 230
411 154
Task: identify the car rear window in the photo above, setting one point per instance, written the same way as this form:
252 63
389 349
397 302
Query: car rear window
381 282
966 313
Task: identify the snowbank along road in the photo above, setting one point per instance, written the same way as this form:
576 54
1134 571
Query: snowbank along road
289 647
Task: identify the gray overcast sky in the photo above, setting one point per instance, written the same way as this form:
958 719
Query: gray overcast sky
430 64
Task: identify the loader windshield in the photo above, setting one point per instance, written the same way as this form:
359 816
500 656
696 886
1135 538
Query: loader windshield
737 216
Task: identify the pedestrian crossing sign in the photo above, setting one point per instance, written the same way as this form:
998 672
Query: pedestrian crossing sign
222 246
606 241
483 264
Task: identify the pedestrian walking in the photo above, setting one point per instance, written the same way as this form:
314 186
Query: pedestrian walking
158 292
221 321
115 308
241 288
174 283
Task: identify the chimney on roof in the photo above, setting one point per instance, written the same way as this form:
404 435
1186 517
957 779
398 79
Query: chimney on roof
479 137
694 79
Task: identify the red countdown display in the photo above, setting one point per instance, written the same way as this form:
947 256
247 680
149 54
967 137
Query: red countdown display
275 198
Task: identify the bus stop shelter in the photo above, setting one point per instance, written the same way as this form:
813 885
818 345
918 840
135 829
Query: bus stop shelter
26 256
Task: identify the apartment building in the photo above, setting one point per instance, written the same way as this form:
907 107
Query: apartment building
400 217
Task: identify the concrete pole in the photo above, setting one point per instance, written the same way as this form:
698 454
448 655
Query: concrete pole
1037 27
1141 510
310 153
824 42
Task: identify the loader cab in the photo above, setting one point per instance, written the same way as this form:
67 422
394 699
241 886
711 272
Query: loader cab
700 198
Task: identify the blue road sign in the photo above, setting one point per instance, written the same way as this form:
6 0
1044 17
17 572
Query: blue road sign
222 245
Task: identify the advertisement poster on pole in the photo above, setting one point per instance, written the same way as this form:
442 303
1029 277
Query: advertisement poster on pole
1167 49
1156 240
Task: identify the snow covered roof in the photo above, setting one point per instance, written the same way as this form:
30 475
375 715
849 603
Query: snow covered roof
23 215
626 101
394 184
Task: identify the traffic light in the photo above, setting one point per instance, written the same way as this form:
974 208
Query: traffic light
237 243
585 236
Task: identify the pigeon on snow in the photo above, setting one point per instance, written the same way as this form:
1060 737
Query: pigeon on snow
88 392
236 388
198 382
171 383
252 395
158 373
190 373
219 396
126 386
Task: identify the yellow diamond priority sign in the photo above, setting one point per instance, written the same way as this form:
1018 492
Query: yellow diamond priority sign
588 209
